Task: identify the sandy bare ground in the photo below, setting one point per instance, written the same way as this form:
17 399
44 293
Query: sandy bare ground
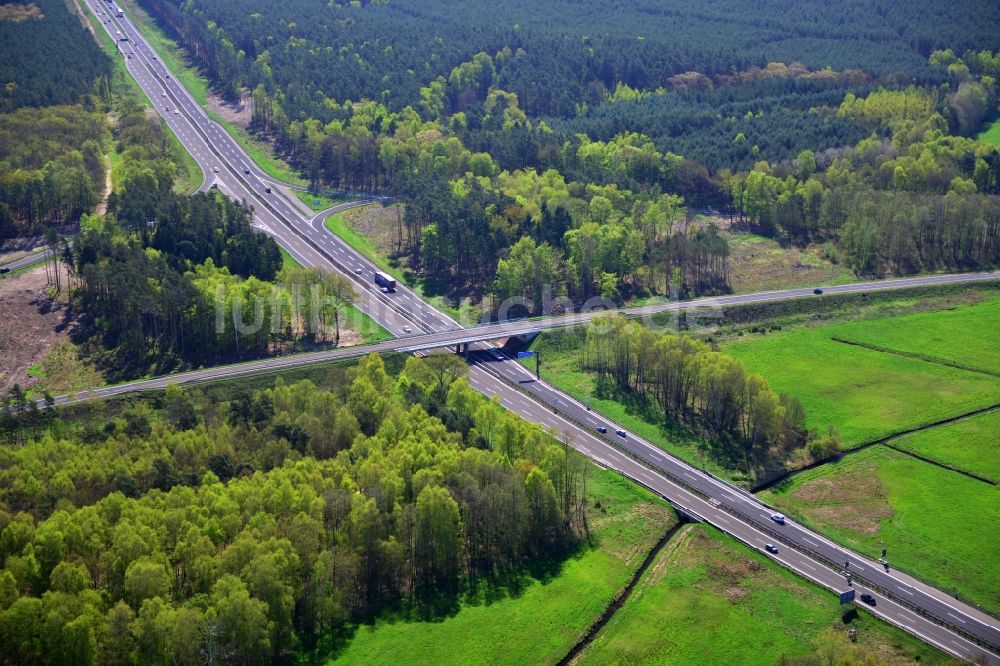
239 114
102 206
31 325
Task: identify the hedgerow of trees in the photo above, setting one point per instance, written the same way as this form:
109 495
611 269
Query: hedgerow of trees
247 528
693 386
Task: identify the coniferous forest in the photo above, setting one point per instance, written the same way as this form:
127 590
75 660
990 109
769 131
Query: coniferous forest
569 139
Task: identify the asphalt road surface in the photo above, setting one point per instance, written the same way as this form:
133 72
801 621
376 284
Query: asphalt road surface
923 610
28 260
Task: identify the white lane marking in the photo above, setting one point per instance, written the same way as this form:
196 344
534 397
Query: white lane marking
957 618
904 590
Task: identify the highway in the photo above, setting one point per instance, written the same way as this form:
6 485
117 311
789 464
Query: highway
25 261
417 340
921 609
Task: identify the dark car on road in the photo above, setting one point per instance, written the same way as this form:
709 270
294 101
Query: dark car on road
601 429
621 433
868 599
817 291
771 548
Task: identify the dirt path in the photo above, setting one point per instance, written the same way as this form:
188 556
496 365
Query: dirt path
86 23
102 206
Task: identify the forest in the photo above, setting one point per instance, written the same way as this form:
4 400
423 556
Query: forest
921 199
51 166
535 152
53 130
248 524
165 281
49 59
564 52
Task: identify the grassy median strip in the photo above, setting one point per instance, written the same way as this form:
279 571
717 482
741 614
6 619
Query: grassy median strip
178 62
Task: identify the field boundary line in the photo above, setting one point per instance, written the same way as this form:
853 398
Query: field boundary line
623 595
886 441
919 357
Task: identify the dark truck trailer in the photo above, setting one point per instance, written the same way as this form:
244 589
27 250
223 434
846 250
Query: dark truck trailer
385 281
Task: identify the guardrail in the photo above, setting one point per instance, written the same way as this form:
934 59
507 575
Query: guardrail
766 529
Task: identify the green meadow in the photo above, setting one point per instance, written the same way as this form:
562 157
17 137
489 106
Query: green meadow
862 393
971 445
935 522
540 623
707 599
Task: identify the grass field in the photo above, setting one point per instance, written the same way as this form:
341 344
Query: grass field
992 134
758 263
935 522
709 600
62 370
965 335
324 200
971 445
863 394
287 260
338 225
542 623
